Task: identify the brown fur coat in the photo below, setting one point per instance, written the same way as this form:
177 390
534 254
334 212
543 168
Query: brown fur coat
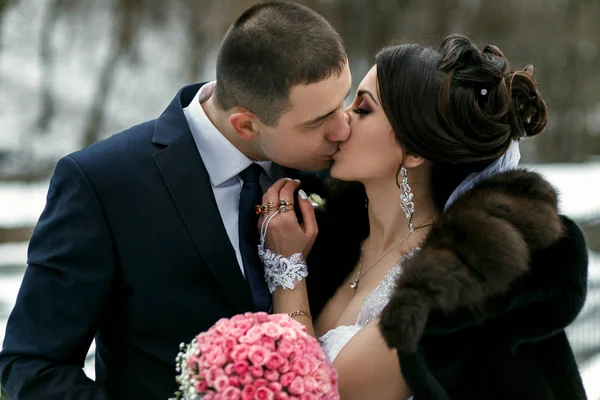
480 311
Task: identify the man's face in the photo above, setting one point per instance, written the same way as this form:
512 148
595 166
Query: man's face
307 136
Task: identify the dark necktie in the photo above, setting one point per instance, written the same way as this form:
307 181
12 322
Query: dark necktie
250 196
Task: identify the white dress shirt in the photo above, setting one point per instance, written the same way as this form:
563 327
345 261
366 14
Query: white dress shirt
224 162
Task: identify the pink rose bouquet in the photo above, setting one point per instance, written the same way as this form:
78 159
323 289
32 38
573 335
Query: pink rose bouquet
255 356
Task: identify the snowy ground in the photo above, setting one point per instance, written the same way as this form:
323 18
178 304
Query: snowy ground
23 203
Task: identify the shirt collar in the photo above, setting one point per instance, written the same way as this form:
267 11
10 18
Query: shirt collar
221 158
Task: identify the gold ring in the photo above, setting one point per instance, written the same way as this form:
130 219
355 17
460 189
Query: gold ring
261 209
283 209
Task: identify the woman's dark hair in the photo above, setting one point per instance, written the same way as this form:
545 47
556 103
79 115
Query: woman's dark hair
272 47
458 107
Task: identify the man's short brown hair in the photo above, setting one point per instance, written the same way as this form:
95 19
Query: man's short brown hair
272 47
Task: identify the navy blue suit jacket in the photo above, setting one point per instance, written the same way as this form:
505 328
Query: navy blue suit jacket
131 250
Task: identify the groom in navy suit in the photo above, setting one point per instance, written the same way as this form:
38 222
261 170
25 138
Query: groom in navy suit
147 237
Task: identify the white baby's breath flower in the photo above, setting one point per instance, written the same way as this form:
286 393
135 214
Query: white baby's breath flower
316 200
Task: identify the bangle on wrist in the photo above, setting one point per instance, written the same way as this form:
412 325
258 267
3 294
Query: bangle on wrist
300 313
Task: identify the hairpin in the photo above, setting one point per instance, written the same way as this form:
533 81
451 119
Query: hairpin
483 92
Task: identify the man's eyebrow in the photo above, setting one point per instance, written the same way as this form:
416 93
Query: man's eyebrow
318 119
324 116
364 91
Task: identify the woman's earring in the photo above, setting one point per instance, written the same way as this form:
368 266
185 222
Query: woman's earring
406 197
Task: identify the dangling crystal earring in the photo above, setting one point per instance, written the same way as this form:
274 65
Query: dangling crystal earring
406 197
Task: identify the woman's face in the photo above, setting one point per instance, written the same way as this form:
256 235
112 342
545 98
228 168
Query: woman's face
372 151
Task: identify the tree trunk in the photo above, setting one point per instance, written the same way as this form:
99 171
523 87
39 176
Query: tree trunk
106 80
127 22
47 104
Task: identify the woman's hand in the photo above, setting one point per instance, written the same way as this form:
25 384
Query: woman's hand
285 235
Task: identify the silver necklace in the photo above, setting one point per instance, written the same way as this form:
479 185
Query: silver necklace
355 282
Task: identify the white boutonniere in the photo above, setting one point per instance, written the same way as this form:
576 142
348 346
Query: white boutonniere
316 200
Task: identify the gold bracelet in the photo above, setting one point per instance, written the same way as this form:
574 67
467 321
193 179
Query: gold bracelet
300 313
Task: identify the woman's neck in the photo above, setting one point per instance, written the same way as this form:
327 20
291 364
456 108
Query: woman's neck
387 221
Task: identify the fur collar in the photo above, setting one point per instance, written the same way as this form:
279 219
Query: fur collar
473 255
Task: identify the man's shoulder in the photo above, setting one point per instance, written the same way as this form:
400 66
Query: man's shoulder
125 145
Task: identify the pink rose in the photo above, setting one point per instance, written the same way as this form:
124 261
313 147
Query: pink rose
237 317
210 395
272 375
229 343
300 367
223 326
308 396
286 379
275 387
231 393
281 396
256 371
246 379
261 317
228 369
258 355
301 345
274 361
313 365
237 333
289 334
282 320
285 348
205 347
272 330
264 393
285 367
201 386
268 343
260 382
239 353
243 325
247 393
221 383
253 335
297 386
234 381
216 357
323 387
212 374
310 383
241 367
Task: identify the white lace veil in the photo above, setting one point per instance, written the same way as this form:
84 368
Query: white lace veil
508 161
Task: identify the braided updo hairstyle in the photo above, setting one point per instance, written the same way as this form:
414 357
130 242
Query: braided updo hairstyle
458 107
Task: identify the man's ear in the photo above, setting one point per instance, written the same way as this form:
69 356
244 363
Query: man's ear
244 122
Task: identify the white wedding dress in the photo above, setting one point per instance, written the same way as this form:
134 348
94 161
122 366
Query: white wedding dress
334 340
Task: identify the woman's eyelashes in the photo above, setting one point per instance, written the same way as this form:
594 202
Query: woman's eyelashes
362 109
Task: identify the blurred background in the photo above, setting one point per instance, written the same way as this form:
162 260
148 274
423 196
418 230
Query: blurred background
76 71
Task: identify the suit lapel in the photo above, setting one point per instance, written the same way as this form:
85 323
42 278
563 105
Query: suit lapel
188 182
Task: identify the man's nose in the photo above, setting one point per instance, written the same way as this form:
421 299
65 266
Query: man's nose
341 132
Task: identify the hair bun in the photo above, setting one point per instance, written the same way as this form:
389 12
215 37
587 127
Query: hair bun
486 98
528 106
469 66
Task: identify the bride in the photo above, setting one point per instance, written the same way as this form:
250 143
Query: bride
442 271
